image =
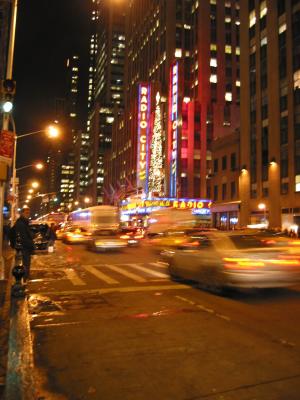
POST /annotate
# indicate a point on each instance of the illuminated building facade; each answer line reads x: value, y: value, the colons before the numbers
x: 107, y: 88
x: 270, y: 112
x: 188, y: 50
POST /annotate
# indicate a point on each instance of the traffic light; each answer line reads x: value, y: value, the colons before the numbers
x: 7, y: 89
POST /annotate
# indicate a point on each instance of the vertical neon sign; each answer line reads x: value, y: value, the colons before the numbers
x: 173, y: 129
x: 143, y: 136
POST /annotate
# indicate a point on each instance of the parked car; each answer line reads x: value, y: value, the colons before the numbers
x: 223, y: 259
x: 40, y: 239
x: 106, y: 240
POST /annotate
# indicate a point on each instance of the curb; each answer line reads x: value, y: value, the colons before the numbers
x: 4, y: 319
x: 20, y: 366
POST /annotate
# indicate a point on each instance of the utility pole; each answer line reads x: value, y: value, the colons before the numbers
x: 5, y: 125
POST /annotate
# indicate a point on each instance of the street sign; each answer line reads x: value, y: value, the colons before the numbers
x: 7, y: 145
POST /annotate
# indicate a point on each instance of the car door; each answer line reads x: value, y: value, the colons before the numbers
x: 198, y: 264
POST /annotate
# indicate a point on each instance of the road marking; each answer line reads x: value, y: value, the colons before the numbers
x: 203, y: 308
x: 73, y: 277
x: 60, y: 324
x: 148, y: 271
x: 159, y: 264
x: 128, y: 274
x: 118, y: 289
x: 94, y: 271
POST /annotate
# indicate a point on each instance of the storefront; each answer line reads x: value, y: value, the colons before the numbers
x: 137, y: 211
x: 225, y: 216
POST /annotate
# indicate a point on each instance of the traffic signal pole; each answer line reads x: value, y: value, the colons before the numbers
x: 5, y: 125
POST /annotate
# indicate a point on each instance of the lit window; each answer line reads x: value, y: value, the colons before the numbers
x: 213, y: 62
x: 282, y: 28
x: 238, y: 83
x: 297, y: 79
x: 237, y: 51
x: 297, y: 183
x: 252, y: 19
x: 228, y: 49
x: 178, y: 53
x: 228, y: 96
x: 264, y: 41
x: 263, y: 9
x: 227, y: 20
x: 213, y: 47
x: 213, y: 78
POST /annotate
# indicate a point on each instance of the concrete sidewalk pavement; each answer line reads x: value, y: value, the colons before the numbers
x: 5, y: 287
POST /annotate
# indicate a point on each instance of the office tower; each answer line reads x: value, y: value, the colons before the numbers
x: 270, y: 112
x: 107, y: 58
x: 188, y: 52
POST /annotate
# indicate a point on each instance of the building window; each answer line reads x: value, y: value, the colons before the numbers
x: 216, y: 191
x: 224, y: 163
x: 284, y: 188
x: 280, y: 7
x: 216, y: 165
x: 283, y: 130
x: 224, y: 191
x: 233, y: 161
x: 233, y: 190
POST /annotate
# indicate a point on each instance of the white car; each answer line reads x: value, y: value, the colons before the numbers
x: 224, y: 259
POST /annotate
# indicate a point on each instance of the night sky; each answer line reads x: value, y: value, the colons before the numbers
x: 48, y: 32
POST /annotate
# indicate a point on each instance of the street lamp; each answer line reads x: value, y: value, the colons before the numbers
x: 262, y: 207
x: 38, y: 166
x: 53, y: 132
x: 86, y: 200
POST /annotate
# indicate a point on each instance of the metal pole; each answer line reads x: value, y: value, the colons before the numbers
x: 5, y: 126
x: 2, y: 269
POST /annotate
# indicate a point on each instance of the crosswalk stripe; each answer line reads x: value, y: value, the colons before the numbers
x: 100, y: 275
x: 148, y: 270
x: 159, y: 264
x: 73, y: 277
x: 128, y: 274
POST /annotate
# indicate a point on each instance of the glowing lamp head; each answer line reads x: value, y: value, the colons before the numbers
x: 53, y: 131
x: 35, y: 185
x: 39, y: 166
x: 7, y: 106
x: 86, y: 200
x: 261, y: 206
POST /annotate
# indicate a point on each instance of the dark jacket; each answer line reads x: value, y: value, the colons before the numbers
x: 24, y: 234
x: 51, y: 235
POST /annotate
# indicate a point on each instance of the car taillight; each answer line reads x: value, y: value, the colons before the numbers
x: 138, y: 236
x: 234, y: 263
x: 124, y: 237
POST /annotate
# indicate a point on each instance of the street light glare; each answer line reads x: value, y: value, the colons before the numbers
x: 261, y: 206
x: 39, y: 166
x: 30, y: 191
x: 53, y: 132
x: 35, y: 185
x: 7, y: 106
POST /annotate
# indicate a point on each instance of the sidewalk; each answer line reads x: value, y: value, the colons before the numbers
x: 5, y: 286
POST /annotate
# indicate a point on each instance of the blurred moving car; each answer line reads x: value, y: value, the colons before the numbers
x: 75, y: 234
x: 104, y: 240
x: 133, y: 236
x: 40, y: 239
x: 177, y: 239
x: 226, y: 259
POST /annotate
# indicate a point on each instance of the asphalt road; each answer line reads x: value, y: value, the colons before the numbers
x: 113, y: 326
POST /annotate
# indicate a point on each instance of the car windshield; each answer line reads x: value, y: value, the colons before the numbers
x: 105, y: 232
x: 40, y: 228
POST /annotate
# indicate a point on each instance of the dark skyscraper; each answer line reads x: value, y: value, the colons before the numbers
x: 106, y: 87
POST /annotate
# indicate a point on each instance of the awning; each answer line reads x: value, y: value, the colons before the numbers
x: 225, y: 207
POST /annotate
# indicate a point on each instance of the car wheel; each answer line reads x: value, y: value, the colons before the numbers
x: 173, y: 276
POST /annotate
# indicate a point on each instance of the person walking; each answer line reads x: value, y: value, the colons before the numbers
x: 24, y: 240
x: 51, y: 236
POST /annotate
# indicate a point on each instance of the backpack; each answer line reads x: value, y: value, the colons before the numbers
x: 12, y: 236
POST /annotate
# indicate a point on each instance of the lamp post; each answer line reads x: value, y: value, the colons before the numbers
x: 262, y: 206
x: 38, y: 166
x: 53, y: 132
